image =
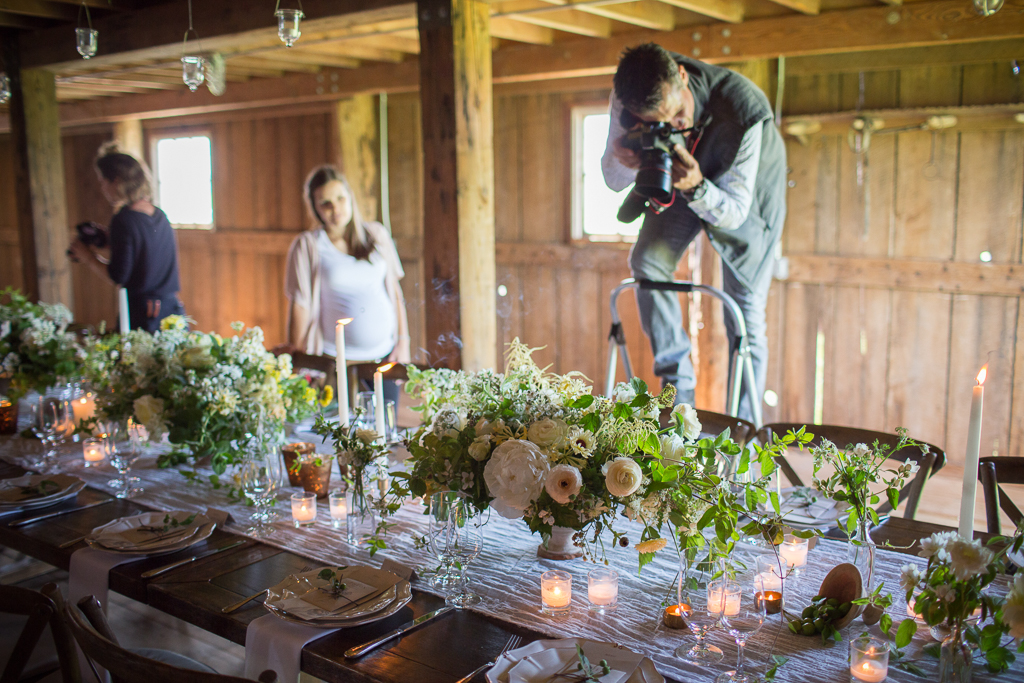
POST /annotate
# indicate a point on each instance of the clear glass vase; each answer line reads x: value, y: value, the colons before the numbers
x: 955, y: 658
x: 861, y: 553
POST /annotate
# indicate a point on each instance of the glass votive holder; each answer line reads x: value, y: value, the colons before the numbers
x: 555, y: 592
x: 338, y: 502
x: 94, y: 450
x: 794, y: 552
x: 303, y: 509
x: 603, y: 590
x: 869, y: 660
x: 724, y: 596
x: 771, y: 599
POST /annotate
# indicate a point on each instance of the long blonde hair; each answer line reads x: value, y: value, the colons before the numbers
x: 358, y: 239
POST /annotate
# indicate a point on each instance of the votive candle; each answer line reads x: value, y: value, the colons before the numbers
x: 603, y: 589
x: 675, y: 616
x: 303, y: 509
x: 724, y: 597
x: 869, y: 660
x: 94, y: 451
x: 84, y: 407
x: 772, y: 601
x: 339, y: 508
x: 555, y: 592
x: 794, y: 551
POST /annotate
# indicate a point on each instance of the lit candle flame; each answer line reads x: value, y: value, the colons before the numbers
x: 982, y: 375
x: 384, y: 368
x: 344, y: 321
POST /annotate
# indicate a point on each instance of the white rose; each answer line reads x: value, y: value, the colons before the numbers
x: 367, y: 435
x: 686, y: 416
x: 480, y: 448
x: 548, y: 433
x: 563, y: 482
x: 515, y: 476
x: 149, y: 411
x: 967, y: 558
x: 673, y: 447
x: 622, y: 476
x: 624, y: 393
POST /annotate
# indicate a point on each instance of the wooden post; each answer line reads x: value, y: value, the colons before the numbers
x: 39, y: 175
x: 458, y: 182
x: 357, y: 143
x: 128, y: 134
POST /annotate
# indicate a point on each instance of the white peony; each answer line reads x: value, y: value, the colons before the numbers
x: 480, y: 448
x: 149, y: 410
x: 548, y: 433
x: 563, y: 482
x: 622, y: 476
x: 910, y: 576
x: 686, y: 415
x: 624, y: 393
x: 673, y: 447
x: 515, y: 476
x: 967, y: 558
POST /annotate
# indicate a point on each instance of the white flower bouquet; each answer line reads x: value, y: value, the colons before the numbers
x: 36, y: 349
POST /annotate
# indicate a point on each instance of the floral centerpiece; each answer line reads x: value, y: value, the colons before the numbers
x: 951, y: 593
x: 539, y: 446
x: 204, y: 392
x: 361, y: 453
x: 36, y: 349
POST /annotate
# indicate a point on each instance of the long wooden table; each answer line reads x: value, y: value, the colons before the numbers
x: 443, y: 651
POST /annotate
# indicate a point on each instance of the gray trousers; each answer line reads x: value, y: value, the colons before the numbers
x: 659, y: 246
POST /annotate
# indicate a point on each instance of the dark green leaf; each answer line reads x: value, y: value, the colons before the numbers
x: 905, y: 633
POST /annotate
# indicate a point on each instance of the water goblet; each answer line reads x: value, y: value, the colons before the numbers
x: 465, y: 541
x: 702, y: 610
x: 124, y: 455
x: 742, y: 617
x: 439, y: 513
x: 46, y: 426
x: 259, y: 484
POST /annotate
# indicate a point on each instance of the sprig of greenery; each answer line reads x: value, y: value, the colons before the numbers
x: 40, y: 489
x: 587, y: 672
x: 335, y: 586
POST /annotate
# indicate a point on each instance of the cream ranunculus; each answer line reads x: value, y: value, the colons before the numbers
x: 686, y: 415
x: 480, y: 448
x: 548, y: 433
x: 515, y: 476
x: 149, y: 411
x: 563, y: 482
x: 622, y: 476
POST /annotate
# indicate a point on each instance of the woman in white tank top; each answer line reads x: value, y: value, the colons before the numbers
x: 346, y: 268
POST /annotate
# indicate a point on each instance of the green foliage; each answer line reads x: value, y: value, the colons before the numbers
x: 36, y: 349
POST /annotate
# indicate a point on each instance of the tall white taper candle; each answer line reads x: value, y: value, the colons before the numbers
x: 971, y: 460
x: 342, y: 370
x: 122, y: 310
x: 378, y: 401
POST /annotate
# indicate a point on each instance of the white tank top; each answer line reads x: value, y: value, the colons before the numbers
x: 355, y: 288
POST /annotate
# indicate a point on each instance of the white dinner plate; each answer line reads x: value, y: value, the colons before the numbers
x: 104, y: 537
x: 390, y: 601
x: 617, y: 657
x: 68, y: 487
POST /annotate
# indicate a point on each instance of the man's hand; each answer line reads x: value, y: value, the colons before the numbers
x: 624, y: 155
x: 686, y: 173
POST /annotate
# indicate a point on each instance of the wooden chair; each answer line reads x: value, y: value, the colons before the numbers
x: 930, y: 462
x: 41, y: 611
x: 995, y: 471
x: 100, y: 645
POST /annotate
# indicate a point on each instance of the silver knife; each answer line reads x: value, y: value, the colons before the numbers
x: 360, y: 650
x: 51, y: 515
x: 180, y: 563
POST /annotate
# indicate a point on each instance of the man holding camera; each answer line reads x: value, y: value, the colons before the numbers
x: 728, y: 178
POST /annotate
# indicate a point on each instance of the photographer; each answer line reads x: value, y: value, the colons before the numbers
x: 728, y: 178
x: 143, y: 255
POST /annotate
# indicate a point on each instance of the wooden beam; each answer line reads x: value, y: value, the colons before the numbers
x: 649, y: 14
x: 12, y: 20
x: 543, y: 14
x: 511, y: 28
x: 41, y: 8
x: 356, y: 138
x: 388, y: 41
x: 293, y: 59
x: 885, y: 60
x: 225, y: 25
x: 458, y: 182
x: 724, y: 10
x: 129, y: 137
x: 353, y: 51
x: 270, y: 66
x: 802, y: 6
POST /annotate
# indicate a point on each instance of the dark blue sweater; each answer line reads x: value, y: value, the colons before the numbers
x: 144, y: 260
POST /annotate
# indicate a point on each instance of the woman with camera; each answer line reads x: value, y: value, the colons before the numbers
x: 143, y: 252
x: 346, y: 267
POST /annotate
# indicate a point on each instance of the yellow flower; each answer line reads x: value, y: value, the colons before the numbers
x: 327, y: 396
x: 651, y: 546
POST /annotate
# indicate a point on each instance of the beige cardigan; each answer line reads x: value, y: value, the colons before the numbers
x: 302, y: 279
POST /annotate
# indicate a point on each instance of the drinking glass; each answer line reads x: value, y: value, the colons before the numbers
x: 126, y: 452
x: 365, y: 416
x: 743, y: 616
x: 439, y: 506
x: 701, y: 617
x: 455, y: 535
x: 259, y: 485
x: 46, y: 425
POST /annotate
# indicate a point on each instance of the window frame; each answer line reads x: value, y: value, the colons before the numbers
x: 577, y: 113
x: 154, y: 137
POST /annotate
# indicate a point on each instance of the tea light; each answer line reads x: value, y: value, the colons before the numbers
x: 724, y: 595
x: 869, y: 660
x: 772, y: 601
x: 675, y: 616
x: 339, y: 508
x: 555, y: 592
x: 770, y: 581
x: 94, y: 451
x: 794, y: 551
x: 303, y: 509
x: 8, y: 417
x: 84, y: 407
x: 603, y: 589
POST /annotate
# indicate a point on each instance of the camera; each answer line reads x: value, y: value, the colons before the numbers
x: 92, y: 234
x: 655, y: 143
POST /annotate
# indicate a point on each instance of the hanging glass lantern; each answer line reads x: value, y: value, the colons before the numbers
x: 5, y: 88
x: 288, y: 23
x: 193, y: 69
x: 987, y: 8
x: 88, y: 41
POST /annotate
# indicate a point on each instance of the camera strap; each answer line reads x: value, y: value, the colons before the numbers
x: 698, y: 132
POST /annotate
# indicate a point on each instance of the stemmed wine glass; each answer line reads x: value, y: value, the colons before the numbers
x: 437, y: 538
x: 743, y: 616
x: 125, y: 452
x: 704, y: 613
x: 261, y: 479
x: 459, y: 531
x: 47, y: 426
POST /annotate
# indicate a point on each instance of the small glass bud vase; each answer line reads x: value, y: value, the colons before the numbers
x: 88, y: 41
x: 193, y: 69
x: 288, y: 25
x: 955, y: 658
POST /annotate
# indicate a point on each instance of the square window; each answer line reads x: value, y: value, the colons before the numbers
x: 183, y: 167
x: 594, y: 205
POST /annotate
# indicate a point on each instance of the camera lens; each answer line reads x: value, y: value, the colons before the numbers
x: 654, y: 179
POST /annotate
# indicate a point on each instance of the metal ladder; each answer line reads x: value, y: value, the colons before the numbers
x: 740, y: 365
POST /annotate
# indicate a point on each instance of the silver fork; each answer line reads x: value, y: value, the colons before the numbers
x: 513, y: 643
x: 242, y: 603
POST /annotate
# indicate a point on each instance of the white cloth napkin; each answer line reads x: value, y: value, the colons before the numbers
x: 90, y: 572
x: 272, y: 643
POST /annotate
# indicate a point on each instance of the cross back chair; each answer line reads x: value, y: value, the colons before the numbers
x: 99, y: 644
x: 41, y: 612
x: 930, y: 462
x: 995, y: 471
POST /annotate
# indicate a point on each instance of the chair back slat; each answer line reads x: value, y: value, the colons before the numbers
x: 40, y: 610
x: 992, y: 472
x: 67, y: 654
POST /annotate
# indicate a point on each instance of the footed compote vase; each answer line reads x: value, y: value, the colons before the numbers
x: 559, y: 545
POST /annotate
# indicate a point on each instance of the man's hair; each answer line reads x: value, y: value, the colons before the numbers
x: 642, y: 72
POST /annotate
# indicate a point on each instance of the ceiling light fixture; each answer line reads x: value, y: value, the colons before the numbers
x: 87, y: 38
x: 987, y: 8
x: 193, y: 66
